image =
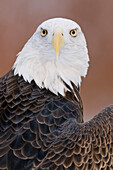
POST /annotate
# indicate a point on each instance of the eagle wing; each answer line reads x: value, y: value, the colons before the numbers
x: 29, y: 121
x: 84, y: 146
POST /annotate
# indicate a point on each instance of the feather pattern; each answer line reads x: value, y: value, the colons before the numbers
x: 84, y: 146
x: 29, y: 120
x: 39, y: 130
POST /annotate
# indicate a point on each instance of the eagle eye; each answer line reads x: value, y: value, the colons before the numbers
x: 43, y: 32
x: 73, y: 32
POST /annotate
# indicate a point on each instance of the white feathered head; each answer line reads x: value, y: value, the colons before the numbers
x: 56, y: 52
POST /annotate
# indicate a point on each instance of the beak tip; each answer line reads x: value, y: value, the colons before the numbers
x: 57, y: 54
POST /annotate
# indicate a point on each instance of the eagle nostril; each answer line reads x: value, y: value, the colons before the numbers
x: 62, y: 34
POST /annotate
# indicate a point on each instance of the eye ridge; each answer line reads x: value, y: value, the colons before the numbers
x: 73, y: 32
x: 43, y: 32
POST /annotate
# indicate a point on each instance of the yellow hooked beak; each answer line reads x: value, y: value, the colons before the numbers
x: 58, y: 41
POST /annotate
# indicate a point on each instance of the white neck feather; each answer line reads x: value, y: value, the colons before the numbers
x: 49, y: 74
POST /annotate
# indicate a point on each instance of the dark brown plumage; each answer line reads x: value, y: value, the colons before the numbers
x: 29, y: 121
x: 39, y: 130
x: 84, y: 146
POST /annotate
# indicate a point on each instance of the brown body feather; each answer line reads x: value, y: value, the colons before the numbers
x: 83, y: 146
x: 29, y: 121
x: 39, y: 130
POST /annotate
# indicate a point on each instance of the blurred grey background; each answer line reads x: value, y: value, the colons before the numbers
x: 20, y: 18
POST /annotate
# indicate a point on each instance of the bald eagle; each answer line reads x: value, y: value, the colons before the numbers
x: 41, y: 112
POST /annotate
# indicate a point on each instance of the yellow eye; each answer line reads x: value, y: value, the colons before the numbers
x: 73, y: 33
x: 43, y: 32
